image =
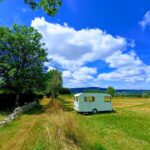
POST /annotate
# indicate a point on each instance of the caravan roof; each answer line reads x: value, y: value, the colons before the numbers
x: 96, y: 94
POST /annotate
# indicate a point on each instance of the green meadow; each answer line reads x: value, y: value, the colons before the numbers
x: 60, y: 127
x: 2, y: 117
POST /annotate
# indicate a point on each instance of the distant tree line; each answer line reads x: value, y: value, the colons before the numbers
x: 111, y: 90
x: 92, y: 91
x: 140, y: 95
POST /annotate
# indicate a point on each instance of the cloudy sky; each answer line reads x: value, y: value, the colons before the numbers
x: 94, y: 43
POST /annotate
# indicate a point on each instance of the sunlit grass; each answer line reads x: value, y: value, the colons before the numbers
x: 60, y: 127
x: 2, y: 116
x: 44, y: 128
x: 44, y: 101
x: 128, y: 128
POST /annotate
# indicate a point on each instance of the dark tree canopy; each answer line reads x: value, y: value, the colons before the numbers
x: 21, y: 59
x: 49, y: 6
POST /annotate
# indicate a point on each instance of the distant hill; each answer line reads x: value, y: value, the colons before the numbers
x: 80, y: 90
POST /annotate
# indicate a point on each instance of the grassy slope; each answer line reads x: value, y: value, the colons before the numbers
x: 128, y: 128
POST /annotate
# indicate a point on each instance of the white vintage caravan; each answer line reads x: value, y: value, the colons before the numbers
x: 92, y: 102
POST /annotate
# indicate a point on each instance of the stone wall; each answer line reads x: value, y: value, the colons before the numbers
x: 18, y: 111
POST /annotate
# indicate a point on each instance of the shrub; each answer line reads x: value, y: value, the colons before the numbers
x: 7, y: 101
x: 111, y: 90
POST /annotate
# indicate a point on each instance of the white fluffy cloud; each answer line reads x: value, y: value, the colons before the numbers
x: 73, y: 49
x: 119, y: 60
x: 128, y: 68
x: 146, y: 20
x: 80, y: 76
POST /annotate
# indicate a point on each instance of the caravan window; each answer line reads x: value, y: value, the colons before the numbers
x: 89, y: 98
x: 107, y: 99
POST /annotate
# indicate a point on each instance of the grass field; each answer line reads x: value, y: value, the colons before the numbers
x: 2, y: 116
x: 127, y: 129
x: 44, y: 128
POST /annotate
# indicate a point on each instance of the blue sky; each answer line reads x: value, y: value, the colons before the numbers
x: 94, y: 43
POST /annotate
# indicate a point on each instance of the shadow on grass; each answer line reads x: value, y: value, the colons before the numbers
x: 35, y: 110
x: 98, y: 113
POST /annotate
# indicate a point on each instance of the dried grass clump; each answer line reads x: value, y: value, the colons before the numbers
x: 64, y: 131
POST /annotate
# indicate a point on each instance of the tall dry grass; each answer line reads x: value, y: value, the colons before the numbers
x: 64, y: 132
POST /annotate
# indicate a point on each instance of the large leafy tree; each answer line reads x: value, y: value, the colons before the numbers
x: 53, y: 82
x: 21, y: 59
x: 111, y: 90
x: 49, y: 6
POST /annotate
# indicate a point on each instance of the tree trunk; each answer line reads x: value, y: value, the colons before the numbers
x: 52, y: 98
x: 52, y: 95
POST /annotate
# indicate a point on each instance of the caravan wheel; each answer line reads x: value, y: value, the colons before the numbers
x: 94, y: 111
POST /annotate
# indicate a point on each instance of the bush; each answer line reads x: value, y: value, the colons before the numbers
x: 7, y: 101
x: 111, y: 90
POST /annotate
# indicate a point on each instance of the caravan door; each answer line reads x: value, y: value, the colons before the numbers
x: 107, y: 106
x: 89, y: 103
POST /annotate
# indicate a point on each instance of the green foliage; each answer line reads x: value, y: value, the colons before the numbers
x: 21, y: 59
x: 53, y: 81
x: 111, y: 90
x: 2, y: 82
x: 49, y: 6
x: 92, y: 91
